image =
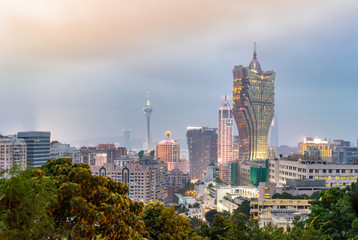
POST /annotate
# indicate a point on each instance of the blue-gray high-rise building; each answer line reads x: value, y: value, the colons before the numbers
x: 37, y: 147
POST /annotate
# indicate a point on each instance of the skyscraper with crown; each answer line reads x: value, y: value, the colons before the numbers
x: 254, y: 102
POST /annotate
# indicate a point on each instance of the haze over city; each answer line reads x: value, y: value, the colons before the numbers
x: 82, y: 69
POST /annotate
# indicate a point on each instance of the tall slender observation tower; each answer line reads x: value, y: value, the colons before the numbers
x: 253, y: 100
x: 225, y: 133
x: 148, y: 111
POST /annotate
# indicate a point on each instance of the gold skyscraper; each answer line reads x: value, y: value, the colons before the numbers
x: 253, y: 101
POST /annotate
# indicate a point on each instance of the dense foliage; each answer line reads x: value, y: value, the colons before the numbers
x: 333, y: 213
x: 286, y: 195
x: 62, y: 200
x: 25, y: 201
x: 164, y: 223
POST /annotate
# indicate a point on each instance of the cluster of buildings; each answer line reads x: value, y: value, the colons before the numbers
x: 227, y: 169
x: 248, y: 168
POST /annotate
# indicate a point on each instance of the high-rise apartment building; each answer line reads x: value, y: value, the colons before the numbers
x: 253, y: 100
x: 202, y: 145
x: 147, y: 179
x: 225, y: 133
x: 168, y: 150
x: 12, y: 151
x: 127, y: 141
x: 37, y: 147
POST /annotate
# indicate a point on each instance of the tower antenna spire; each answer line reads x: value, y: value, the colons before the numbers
x: 148, y: 112
x: 255, y: 55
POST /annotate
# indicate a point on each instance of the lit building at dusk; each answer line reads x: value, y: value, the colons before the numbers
x: 253, y: 108
x: 202, y: 146
x: 225, y: 133
x: 168, y: 150
x: 322, y: 145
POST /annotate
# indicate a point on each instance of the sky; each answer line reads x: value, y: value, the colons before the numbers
x: 81, y: 69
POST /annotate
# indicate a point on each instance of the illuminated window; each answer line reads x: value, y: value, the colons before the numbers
x: 324, y: 178
x: 337, y: 177
x: 316, y: 177
x: 343, y: 178
x: 350, y: 178
x: 330, y: 178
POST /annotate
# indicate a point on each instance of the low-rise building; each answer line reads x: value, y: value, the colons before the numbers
x: 257, y: 207
x: 280, y: 218
x: 194, y: 208
x: 335, y: 174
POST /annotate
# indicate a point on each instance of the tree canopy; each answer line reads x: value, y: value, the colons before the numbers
x: 62, y: 200
x: 164, y: 223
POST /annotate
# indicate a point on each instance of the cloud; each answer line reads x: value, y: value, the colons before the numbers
x: 81, y: 68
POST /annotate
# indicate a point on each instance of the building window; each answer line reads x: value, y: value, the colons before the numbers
x: 330, y: 170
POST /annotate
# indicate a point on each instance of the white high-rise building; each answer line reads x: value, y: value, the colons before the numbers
x: 225, y: 133
x: 12, y: 151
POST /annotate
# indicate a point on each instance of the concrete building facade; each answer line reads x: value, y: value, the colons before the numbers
x: 202, y: 145
x: 12, y: 151
x: 168, y: 150
x: 147, y: 179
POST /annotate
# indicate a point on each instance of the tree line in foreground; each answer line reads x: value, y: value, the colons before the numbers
x: 62, y: 200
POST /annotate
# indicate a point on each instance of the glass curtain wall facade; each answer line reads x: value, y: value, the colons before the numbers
x: 253, y: 101
x: 225, y: 133
x: 37, y: 147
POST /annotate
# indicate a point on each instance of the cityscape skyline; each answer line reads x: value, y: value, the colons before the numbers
x: 78, y: 91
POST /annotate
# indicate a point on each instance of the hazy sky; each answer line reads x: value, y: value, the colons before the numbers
x: 81, y: 69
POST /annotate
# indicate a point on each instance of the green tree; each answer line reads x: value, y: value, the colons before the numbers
x: 25, y: 200
x: 164, y: 223
x: 333, y: 213
x: 88, y: 205
x: 218, y: 228
x: 244, y: 208
x: 195, y: 222
x: 315, y: 195
x: 209, y: 216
